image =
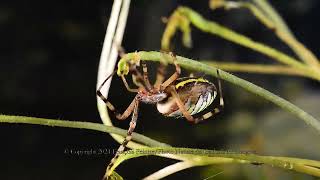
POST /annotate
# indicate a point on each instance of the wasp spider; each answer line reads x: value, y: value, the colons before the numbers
x: 174, y: 97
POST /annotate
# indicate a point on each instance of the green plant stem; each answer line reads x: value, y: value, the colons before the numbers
x: 200, y: 67
x: 285, y: 34
x: 201, y: 157
x: 171, y: 169
x: 278, y: 26
x: 197, y: 157
x: 108, y: 58
x: 142, y: 140
x: 273, y: 15
x: 228, y: 5
x: 80, y: 125
x: 181, y: 17
x: 255, y: 68
x: 214, y: 28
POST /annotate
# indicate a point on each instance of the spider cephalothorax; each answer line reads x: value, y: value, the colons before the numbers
x: 174, y: 97
x: 151, y: 97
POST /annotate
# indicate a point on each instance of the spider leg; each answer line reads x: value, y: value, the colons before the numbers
x: 119, y: 116
x: 174, y: 76
x: 137, y: 77
x: 102, y: 84
x: 220, y: 89
x: 145, y: 76
x: 133, y: 69
x: 99, y: 94
x: 127, y: 85
x: 127, y: 138
x: 180, y: 104
x: 160, y: 76
x: 216, y: 110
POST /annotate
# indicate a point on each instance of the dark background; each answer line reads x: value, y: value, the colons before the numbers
x: 49, y: 58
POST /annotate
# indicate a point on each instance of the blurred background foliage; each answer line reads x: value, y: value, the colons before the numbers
x: 49, y: 57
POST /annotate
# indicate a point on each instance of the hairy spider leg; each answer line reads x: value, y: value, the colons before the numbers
x: 174, y: 76
x: 160, y: 75
x: 132, y: 109
x: 128, y: 137
x: 145, y: 76
x: 180, y: 104
x: 127, y: 85
x: 137, y: 77
x: 161, y: 71
x: 220, y: 89
x: 118, y: 115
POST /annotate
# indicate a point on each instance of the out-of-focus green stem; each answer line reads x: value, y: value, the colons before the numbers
x: 284, y: 33
x: 241, y: 4
x: 256, y: 68
x: 181, y: 17
x: 201, y: 157
x: 273, y: 15
x: 80, y: 125
x: 176, y: 22
x: 214, y: 28
x: 171, y: 169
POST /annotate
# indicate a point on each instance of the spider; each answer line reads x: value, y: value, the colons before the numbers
x: 174, y: 97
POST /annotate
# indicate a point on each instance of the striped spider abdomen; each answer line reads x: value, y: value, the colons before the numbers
x: 195, y: 93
